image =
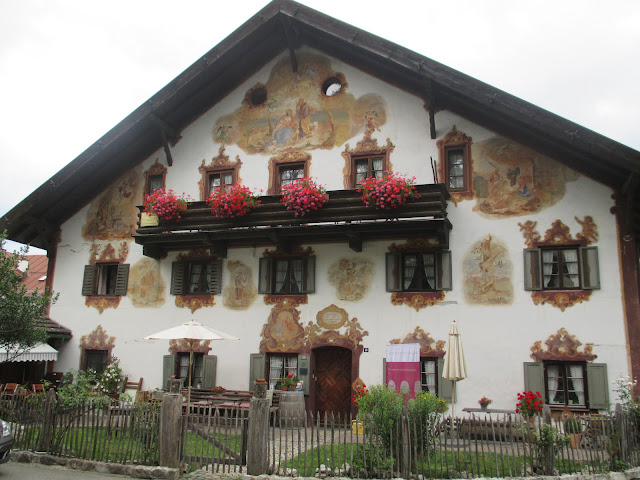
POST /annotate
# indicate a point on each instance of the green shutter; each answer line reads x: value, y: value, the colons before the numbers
x: 598, y: 386
x: 264, y: 278
x: 532, y: 269
x: 168, y: 369
x: 215, y: 280
x: 393, y: 272
x: 589, y: 268
x: 257, y: 367
x: 177, y: 278
x: 445, y: 387
x: 122, y: 280
x: 310, y: 275
x: 304, y: 362
x: 209, y: 366
x: 89, y: 279
x: 444, y: 278
x: 534, y: 377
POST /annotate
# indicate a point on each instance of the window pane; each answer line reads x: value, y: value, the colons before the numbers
x: 410, y: 277
x: 155, y: 183
x: 107, y: 276
x: 96, y: 360
x: 455, y: 168
x: 282, y: 269
x: 550, y: 277
x: 279, y: 367
x: 376, y: 164
x: 214, y: 182
x: 428, y: 375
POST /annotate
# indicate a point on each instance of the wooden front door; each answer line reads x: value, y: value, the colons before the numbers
x: 333, y: 380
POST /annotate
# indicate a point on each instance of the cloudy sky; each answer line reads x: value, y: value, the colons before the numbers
x: 71, y: 70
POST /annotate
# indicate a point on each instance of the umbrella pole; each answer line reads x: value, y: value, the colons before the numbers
x: 453, y: 401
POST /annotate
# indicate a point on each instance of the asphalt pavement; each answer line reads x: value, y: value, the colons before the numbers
x: 34, y: 471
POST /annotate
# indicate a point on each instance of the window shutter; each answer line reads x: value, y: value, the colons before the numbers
x: 264, y: 282
x: 209, y: 366
x: 532, y: 269
x: 384, y: 372
x: 443, y: 279
x: 168, y: 369
x: 394, y: 269
x: 445, y: 387
x: 534, y: 377
x: 303, y: 366
x: 215, y: 280
x: 257, y: 367
x: 310, y: 275
x: 122, y: 279
x: 89, y: 279
x: 177, y: 278
x: 598, y: 386
x: 589, y: 268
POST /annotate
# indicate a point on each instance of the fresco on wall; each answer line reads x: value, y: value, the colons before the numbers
x: 291, y: 111
x: 241, y: 291
x: 113, y: 215
x: 146, y: 286
x: 351, y: 278
x: 511, y: 180
x: 562, y: 347
x: 487, y: 273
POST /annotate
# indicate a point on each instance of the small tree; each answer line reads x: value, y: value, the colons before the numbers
x: 19, y: 309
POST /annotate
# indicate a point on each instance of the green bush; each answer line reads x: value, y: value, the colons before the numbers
x: 380, y: 410
x: 425, y: 413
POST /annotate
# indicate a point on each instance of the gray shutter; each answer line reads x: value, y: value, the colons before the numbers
x: 598, y: 386
x: 264, y: 278
x: 209, y: 366
x: 443, y: 278
x: 122, y: 280
x: 393, y: 272
x: 168, y: 369
x: 89, y: 279
x: 445, y: 389
x: 310, y: 275
x: 532, y: 269
x: 304, y: 365
x: 177, y: 278
x: 534, y: 377
x: 257, y: 366
x: 215, y: 280
x: 589, y: 268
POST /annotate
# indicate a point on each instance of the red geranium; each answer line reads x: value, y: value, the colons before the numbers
x: 529, y: 403
x: 363, y: 391
x: 389, y: 191
x: 303, y: 195
x: 166, y: 204
x: 233, y: 201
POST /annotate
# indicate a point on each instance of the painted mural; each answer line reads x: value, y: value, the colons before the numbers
x: 351, y: 278
x: 487, y: 273
x: 146, y: 286
x: 113, y: 215
x: 292, y: 111
x: 512, y: 180
x: 241, y: 291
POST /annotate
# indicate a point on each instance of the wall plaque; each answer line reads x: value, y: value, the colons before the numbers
x: 332, y: 317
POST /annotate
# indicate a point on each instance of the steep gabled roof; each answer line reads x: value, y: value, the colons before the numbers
x: 284, y: 25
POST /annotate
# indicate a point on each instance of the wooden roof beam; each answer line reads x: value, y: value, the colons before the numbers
x: 168, y: 134
x: 291, y: 38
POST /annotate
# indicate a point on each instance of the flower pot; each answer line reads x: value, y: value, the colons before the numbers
x: 149, y: 220
x: 284, y: 389
x: 484, y: 407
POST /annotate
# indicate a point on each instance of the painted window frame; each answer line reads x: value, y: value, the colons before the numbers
x: 209, y: 188
x: 301, y: 167
x: 94, y: 278
x: 588, y: 268
x: 371, y: 171
x: 395, y: 268
x: 268, y: 275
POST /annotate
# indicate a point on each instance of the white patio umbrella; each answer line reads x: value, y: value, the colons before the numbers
x: 455, y: 368
x: 192, y: 332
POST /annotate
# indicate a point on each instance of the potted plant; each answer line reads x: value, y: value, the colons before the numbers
x: 573, y: 427
x: 166, y: 205
x: 484, y: 402
x: 303, y: 196
x: 529, y: 404
x: 232, y: 202
x: 389, y: 191
x: 289, y: 382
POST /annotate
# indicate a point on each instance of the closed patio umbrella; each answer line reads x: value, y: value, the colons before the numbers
x: 192, y: 332
x: 455, y: 368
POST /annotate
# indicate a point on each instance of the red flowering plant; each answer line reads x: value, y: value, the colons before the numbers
x: 290, y: 381
x: 529, y: 403
x: 166, y: 204
x: 389, y: 191
x: 360, y: 393
x: 234, y: 201
x: 303, y: 196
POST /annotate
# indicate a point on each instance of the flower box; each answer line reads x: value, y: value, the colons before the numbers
x: 389, y: 191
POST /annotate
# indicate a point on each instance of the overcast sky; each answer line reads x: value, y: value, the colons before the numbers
x: 71, y: 70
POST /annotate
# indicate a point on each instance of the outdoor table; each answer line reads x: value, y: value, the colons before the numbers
x: 489, y: 410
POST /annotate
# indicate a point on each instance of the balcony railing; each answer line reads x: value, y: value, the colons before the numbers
x: 343, y: 219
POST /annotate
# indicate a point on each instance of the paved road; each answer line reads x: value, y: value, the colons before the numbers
x: 34, y: 471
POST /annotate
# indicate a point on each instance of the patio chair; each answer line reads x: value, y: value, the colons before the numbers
x: 37, y: 388
x: 10, y: 388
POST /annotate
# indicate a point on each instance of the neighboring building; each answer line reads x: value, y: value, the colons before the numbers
x: 529, y: 240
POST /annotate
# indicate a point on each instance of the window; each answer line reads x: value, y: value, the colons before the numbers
x: 455, y: 169
x: 428, y: 375
x: 367, y: 167
x: 219, y: 179
x: 294, y: 275
x: 96, y: 360
x: 287, y: 174
x: 106, y: 279
x: 455, y: 165
x: 279, y: 367
x: 418, y: 271
x: 154, y: 182
x: 565, y: 384
x: 182, y: 368
x: 203, y: 369
x: 202, y: 277
x: 561, y: 268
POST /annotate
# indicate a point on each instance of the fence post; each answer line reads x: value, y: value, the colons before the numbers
x: 547, y: 450
x: 258, y: 441
x: 621, y: 433
x: 406, y: 445
x: 170, y: 431
x: 47, y: 424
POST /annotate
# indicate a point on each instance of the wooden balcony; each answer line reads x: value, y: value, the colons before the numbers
x: 343, y: 219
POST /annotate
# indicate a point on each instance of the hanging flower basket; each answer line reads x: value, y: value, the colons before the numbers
x: 389, y: 191
x: 303, y: 196
x: 167, y: 205
x: 232, y: 202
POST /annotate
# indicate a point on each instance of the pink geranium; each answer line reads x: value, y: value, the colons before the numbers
x: 303, y: 196
x: 389, y: 191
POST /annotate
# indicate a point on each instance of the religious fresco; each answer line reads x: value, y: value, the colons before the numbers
x: 283, y: 331
x: 562, y: 347
x: 291, y: 111
x: 487, y: 273
x: 146, y: 286
x: 351, y: 278
x: 512, y: 180
x: 114, y: 214
x: 241, y: 291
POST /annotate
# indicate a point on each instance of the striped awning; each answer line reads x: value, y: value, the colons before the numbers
x: 42, y: 352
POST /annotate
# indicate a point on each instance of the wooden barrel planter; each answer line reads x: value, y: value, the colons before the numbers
x: 291, y: 409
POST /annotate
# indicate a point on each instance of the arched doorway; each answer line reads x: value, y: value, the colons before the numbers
x: 332, y: 374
